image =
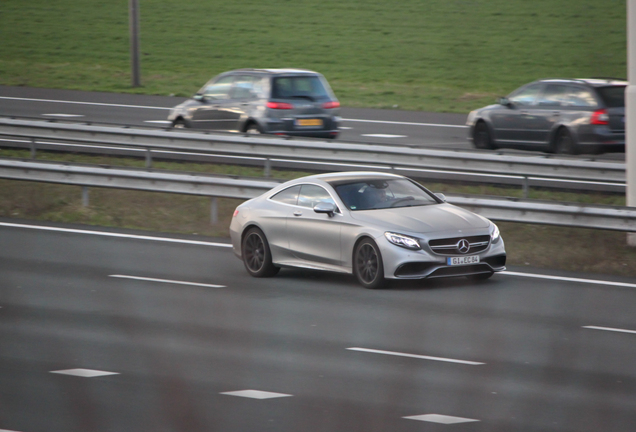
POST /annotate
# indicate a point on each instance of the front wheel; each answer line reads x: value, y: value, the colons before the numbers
x: 179, y: 124
x: 481, y: 136
x: 253, y: 129
x: 367, y: 265
x: 257, y: 256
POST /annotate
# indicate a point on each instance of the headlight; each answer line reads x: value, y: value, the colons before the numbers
x: 402, y: 240
x: 495, y: 235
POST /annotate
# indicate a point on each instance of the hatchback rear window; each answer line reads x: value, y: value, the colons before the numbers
x: 613, y: 96
x: 299, y: 87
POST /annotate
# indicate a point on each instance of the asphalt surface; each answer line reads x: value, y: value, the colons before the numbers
x: 177, y: 327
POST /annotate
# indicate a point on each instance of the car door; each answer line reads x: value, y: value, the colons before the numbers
x: 212, y: 97
x: 315, y: 237
x: 553, y: 108
x: 234, y: 110
x: 513, y: 123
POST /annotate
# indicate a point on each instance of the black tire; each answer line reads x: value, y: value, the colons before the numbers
x: 179, y: 124
x: 253, y: 129
x: 564, y: 143
x: 368, y: 266
x: 481, y: 136
x: 480, y: 276
x: 256, y: 254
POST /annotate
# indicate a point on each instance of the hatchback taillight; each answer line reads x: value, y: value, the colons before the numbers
x: 600, y: 117
x: 331, y: 105
x: 279, y: 105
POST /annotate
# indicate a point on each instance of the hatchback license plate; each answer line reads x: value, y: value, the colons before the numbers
x: 308, y: 122
x: 462, y: 260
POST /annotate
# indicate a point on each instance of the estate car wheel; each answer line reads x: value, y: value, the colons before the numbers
x: 179, y: 124
x: 257, y: 256
x: 565, y: 143
x: 252, y: 129
x: 481, y: 136
x: 367, y: 265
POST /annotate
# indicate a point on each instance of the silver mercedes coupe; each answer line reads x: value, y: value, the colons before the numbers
x: 376, y: 226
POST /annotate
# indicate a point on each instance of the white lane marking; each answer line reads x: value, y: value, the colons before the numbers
x: 119, y: 235
x: 85, y: 373
x: 158, y: 121
x: 83, y: 103
x: 610, y: 329
x: 166, y: 281
x: 344, y: 128
x: 570, y: 279
x: 399, y: 354
x: 406, y: 123
x: 63, y: 115
x: 383, y: 136
x: 166, y: 108
x: 439, y: 418
x: 7, y: 430
x: 256, y: 394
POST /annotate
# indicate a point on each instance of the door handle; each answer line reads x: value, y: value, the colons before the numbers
x: 298, y: 213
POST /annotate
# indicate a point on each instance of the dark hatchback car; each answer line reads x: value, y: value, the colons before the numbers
x: 568, y: 116
x: 293, y: 102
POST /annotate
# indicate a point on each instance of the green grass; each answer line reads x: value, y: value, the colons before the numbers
x: 438, y: 55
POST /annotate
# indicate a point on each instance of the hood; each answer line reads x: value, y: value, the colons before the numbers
x: 422, y: 219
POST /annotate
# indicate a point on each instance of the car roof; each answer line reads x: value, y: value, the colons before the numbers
x: 594, y: 82
x: 277, y: 71
x: 352, y: 176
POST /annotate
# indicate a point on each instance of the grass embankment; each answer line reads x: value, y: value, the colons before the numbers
x: 434, y: 55
x: 563, y: 248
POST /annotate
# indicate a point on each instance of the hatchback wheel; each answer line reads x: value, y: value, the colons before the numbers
x: 368, y: 266
x: 481, y: 136
x: 257, y: 256
x: 179, y: 124
x: 252, y: 129
x: 565, y: 143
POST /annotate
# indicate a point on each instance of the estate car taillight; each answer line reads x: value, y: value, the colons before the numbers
x: 600, y: 117
x: 279, y: 105
x: 331, y: 105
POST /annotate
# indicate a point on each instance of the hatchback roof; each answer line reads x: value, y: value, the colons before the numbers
x: 595, y: 82
x: 277, y: 71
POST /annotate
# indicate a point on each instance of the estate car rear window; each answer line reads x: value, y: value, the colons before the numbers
x: 613, y: 96
x: 299, y: 87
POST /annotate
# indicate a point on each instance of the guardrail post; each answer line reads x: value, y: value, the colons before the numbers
x: 85, y: 196
x: 268, y: 167
x: 525, y: 186
x: 33, y: 150
x: 214, y: 211
x: 148, y: 158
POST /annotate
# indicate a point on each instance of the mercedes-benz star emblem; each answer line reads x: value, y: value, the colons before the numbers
x: 463, y: 246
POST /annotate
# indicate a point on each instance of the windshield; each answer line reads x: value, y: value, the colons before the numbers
x: 382, y: 194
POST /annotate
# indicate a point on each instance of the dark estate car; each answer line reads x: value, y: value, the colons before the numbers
x: 273, y: 101
x: 555, y: 115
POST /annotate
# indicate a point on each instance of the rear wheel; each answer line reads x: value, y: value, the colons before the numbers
x: 564, y: 143
x: 481, y: 136
x: 252, y: 129
x: 257, y: 256
x: 368, y: 266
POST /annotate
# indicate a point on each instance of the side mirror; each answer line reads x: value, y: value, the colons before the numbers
x: 441, y: 197
x: 199, y: 97
x: 325, y: 207
x: 505, y: 102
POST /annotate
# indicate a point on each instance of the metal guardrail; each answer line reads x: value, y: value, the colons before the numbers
x: 328, y: 156
x: 500, y: 209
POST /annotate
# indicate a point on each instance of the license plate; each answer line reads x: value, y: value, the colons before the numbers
x: 308, y: 122
x: 462, y: 260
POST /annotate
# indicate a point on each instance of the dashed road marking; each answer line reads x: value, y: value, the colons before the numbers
x: 147, y: 279
x: 417, y: 356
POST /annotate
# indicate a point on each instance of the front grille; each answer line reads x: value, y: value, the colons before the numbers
x: 451, y: 246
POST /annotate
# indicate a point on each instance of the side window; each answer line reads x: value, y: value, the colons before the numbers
x: 287, y: 196
x: 526, y: 95
x: 243, y: 87
x: 554, y: 95
x: 310, y: 195
x: 219, y: 89
x: 579, y: 97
